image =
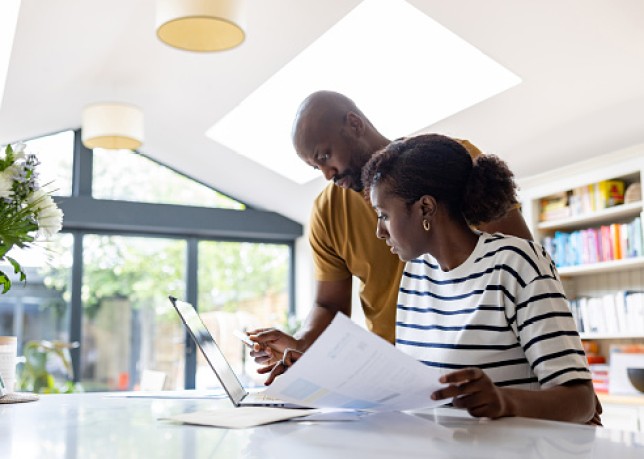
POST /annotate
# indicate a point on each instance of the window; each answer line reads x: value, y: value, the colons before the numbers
x: 107, y: 286
x: 128, y: 326
x: 128, y: 176
x: 241, y: 286
x: 40, y: 308
x: 56, y: 154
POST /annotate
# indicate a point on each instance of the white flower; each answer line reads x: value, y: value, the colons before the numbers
x: 39, y: 199
x: 25, y: 208
x: 50, y: 221
x: 13, y: 171
x: 6, y: 183
x: 48, y: 215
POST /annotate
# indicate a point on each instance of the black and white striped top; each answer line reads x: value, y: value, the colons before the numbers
x: 503, y: 310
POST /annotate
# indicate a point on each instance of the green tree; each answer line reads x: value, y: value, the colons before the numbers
x: 231, y: 272
x: 122, y: 174
x: 142, y: 269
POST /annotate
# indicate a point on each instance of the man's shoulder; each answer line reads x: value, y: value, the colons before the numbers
x: 333, y: 195
x: 472, y: 149
x: 328, y: 206
x: 327, y: 193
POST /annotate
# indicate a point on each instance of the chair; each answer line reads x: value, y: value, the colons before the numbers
x: 152, y: 380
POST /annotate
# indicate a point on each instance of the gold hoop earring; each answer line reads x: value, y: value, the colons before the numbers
x: 426, y: 225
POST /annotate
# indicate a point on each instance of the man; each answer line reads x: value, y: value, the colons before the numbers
x: 331, y: 134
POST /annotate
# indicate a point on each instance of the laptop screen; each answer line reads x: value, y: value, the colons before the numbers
x: 210, y: 350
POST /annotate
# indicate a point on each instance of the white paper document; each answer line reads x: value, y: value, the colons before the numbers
x: 239, y: 418
x: 350, y: 367
x: 190, y: 394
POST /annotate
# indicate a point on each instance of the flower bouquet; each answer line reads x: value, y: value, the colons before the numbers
x: 27, y: 211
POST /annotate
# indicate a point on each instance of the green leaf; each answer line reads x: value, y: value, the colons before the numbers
x: 17, y: 269
x: 15, y: 264
x: 8, y: 160
x: 5, y: 282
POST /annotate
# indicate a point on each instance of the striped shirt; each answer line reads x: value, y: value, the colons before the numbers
x: 503, y: 310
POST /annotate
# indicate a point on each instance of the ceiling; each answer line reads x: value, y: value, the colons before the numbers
x: 581, y: 63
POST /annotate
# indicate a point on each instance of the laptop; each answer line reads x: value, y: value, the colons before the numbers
x: 237, y: 394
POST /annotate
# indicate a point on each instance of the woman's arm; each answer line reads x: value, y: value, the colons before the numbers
x: 473, y: 390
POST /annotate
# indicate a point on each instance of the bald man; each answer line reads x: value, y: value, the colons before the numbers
x: 332, y: 135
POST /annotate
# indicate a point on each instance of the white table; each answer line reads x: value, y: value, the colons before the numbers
x: 96, y: 426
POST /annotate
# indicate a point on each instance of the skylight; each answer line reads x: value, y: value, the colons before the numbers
x: 8, y: 19
x: 403, y: 69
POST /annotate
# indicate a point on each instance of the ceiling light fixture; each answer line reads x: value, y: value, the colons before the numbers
x: 112, y: 126
x: 200, y: 25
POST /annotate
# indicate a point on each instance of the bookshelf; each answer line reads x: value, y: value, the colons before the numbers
x: 585, y: 277
x: 602, y: 267
x: 620, y: 212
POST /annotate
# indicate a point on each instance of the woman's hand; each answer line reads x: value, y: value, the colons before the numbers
x: 289, y: 357
x: 473, y: 390
x: 597, y: 419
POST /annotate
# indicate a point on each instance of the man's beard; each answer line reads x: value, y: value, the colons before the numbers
x: 355, y: 177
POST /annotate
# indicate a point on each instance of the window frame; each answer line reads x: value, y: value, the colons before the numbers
x: 84, y: 215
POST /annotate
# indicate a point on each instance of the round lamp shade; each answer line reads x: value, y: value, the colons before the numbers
x: 200, y: 25
x: 112, y: 126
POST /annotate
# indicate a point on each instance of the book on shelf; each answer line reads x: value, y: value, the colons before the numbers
x: 609, y: 193
x: 615, y: 241
x: 593, y: 245
x: 623, y: 240
x: 554, y: 207
x: 618, y: 313
x: 634, y: 240
x: 600, y: 374
x: 555, y: 214
x: 605, y: 243
x: 609, y: 242
x: 609, y: 309
x: 582, y: 200
x: 634, y: 311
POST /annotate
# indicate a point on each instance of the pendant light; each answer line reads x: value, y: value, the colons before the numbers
x: 200, y: 25
x: 112, y: 126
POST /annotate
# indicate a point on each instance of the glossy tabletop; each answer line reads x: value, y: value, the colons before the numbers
x: 97, y: 426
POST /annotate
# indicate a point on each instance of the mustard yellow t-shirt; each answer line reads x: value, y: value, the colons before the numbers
x: 344, y: 243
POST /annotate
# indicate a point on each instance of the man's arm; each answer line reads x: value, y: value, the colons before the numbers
x: 512, y: 224
x: 331, y: 297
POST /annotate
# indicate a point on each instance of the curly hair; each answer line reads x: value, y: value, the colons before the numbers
x: 480, y: 190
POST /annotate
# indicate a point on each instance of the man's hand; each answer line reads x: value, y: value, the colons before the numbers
x: 289, y: 357
x: 473, y: 390
x: 270, y: 344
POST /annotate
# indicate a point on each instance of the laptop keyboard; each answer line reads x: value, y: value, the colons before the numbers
x: 260, y: 397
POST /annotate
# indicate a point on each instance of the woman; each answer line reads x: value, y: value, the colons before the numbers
x: 489, y: 309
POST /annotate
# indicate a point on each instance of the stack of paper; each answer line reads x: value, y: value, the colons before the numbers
x: 350, y: 367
